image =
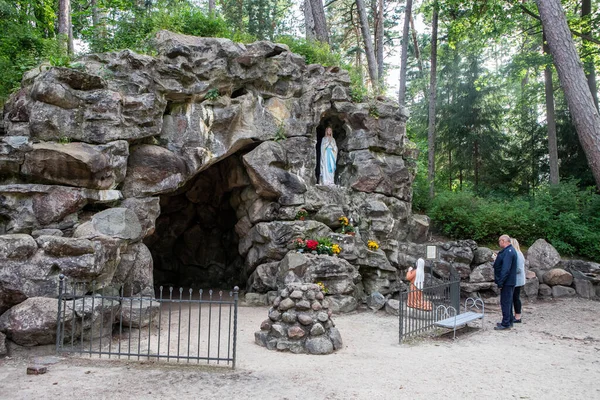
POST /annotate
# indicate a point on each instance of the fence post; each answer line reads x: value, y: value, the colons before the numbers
x: 401, y: 315
x: 236, y: 291
x: 455, y: 289
x: 61, y: 279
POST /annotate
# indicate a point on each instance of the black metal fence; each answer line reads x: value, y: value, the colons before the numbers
x: 418, y: 307
x: 198, y: 325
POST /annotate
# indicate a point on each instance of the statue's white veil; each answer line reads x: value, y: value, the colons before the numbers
x: 420, y: 274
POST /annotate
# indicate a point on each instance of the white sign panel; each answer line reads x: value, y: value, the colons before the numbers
x: 431, y: 252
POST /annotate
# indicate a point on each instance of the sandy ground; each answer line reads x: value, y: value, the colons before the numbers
x: 553, y: 354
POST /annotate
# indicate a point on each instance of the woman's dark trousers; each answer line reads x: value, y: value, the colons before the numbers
x: 517, y: 299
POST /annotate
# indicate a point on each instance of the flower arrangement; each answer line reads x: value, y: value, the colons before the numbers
x: 336, y: 249
x: 347, y: 227
x: 301, y: 214
x: 320, y: 246
x: 299, y: 244
x: 312, y: 245
x: 322, y: 287
x: 372, y: 245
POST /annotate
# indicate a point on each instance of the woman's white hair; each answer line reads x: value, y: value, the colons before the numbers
x: 420, y: 278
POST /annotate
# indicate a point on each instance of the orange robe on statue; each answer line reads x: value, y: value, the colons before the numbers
x: 415, y: 295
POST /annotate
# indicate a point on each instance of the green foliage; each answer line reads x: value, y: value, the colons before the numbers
x: 565, y: 215
x: 212, y: 94
x: 314, y: 52
x: 59, y: 60
x: 27, y: 28
x: 280, y: 134
x: 373, y: 111
x: 135, y: 27
x: 358, y: 90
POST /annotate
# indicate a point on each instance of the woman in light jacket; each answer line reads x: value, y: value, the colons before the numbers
x: 520, y: 281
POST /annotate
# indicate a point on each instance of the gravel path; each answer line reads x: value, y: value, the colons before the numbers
x: 553, y: 354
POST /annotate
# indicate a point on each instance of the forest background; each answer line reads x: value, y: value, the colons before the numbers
x: 498, y: 149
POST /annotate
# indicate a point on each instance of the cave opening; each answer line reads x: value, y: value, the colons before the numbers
x: 339, y: 134
x: 195, y: 243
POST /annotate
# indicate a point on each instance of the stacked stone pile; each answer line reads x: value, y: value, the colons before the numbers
x: 299, y: 321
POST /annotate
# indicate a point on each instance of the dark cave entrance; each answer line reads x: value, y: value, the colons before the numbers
x: 339, y: 134
x: 195, y: 243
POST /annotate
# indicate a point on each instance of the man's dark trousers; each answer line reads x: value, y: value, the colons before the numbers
x: 506, y: 302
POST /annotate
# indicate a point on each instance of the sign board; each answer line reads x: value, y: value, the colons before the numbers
x: 431, y: 252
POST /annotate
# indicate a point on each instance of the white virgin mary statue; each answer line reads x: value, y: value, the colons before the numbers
x: 329, y: 153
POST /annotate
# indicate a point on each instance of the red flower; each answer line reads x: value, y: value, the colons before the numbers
x: 312, y: 244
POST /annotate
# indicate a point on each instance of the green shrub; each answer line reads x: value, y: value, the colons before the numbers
x: 314, y: 52
x: 566, y: 216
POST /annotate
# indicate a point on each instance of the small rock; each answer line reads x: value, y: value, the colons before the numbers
x: 286, y: 304
x: 289, y: 317
x: 303, y: 305
x: 317, y: 330
x: 296, y: 332
x: 305, y: 319
x: 36, y: 370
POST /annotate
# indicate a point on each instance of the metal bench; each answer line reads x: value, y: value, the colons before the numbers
x: 447, y: 317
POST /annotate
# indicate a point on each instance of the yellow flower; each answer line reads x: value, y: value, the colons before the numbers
x: 336, y: 249
x: 343, y: 220
x: 372, y: 245
x: 322, y: 287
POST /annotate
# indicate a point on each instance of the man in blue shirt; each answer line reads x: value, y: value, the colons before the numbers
x: 505, y: 276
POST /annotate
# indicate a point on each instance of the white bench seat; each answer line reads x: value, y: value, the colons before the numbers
x: 449, y: 319
x: 459, y: 320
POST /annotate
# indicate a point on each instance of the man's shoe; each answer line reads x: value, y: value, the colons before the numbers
x: 501, y: 328
x: 515, y: 321
x: 500, y: 324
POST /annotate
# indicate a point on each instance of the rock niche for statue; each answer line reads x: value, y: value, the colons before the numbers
x: 300, y: 322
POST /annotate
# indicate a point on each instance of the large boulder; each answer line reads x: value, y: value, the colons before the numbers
x: 134, y: 272
x: 32, y: 322
x: 541, y: 255
x: 482, y: 273
x: 26, y: 207
x: 78, y: 164
x: 557, y: 276
x: 119, y: 223
x: 153, y: 170
x: 29, y: 270
x: 338, y: 275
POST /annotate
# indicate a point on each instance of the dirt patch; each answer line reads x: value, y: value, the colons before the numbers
x: 553, y: 354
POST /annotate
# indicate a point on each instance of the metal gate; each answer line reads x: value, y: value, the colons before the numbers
x: 176, y: 326
x: 415, y: 321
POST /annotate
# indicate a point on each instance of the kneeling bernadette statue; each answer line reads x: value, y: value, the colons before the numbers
x: 329, y: 152
x: 415, y: 294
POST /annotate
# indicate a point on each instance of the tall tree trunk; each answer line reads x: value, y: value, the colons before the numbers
x: 309, y: 21
x: 577, y: 92
x: 550, y: 120
x: 476, y: 159
x: 414, y: 38
x: 364, y: 27
x: 211, y: 7
x: 404, y: 56
x: 318, y: 12
x: 379, y: 34
x: 588, y: 64
x: 432, y: 99
x: 95, y: 13
x: 64, y: 25
x: 450, y: 168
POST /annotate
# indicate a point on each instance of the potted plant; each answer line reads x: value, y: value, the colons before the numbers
x: 372, y: 245
x: 299, y: 245
x: 301, y: 214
